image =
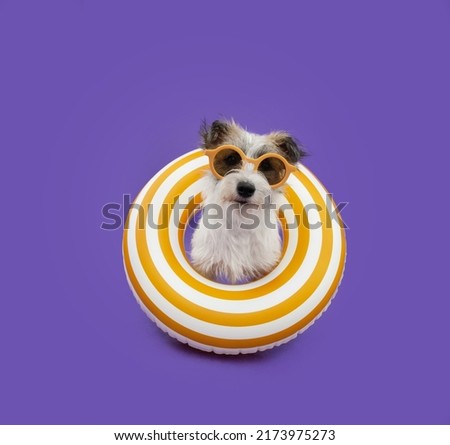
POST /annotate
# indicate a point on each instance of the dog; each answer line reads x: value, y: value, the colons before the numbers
x: 237, y: 239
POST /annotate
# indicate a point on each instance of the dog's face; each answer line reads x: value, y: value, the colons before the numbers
x: 246, y: 185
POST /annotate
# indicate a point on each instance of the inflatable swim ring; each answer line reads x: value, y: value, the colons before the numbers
x: 219, y: 317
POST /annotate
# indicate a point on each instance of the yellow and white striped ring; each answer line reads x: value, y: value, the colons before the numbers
x: 225, y: 318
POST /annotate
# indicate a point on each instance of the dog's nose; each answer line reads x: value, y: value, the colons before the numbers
x: 245, y: 189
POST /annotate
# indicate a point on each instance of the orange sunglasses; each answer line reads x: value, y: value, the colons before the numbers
x: 228, y: 158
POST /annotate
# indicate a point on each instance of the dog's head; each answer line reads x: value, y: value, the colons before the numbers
x: 246, y: 185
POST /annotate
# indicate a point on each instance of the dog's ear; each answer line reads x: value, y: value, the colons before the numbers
x: 215, y: 134
x: 289, y: 147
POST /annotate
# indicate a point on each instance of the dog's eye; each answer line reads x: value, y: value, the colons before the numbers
x: 232, y: 159
x: 225, y: 161
x: 266, y: 165
x: 273, y: 169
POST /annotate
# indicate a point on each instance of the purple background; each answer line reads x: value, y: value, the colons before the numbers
x: 95, y: 97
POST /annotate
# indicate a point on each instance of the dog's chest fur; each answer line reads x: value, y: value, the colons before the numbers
x: 234, y: 253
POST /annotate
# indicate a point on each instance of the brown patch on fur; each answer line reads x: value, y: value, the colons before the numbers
x: 288, y: 146
x: 215, y: 134
x: 221, y: 132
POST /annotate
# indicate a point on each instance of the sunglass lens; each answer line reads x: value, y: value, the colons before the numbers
x: 273, y: 169
x: 227, y: 160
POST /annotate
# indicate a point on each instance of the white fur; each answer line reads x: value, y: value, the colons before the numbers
x: 232, y: 251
